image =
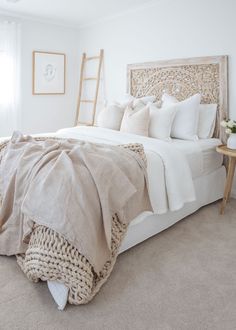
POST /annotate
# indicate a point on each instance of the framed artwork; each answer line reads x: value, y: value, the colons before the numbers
x: 49, y: 71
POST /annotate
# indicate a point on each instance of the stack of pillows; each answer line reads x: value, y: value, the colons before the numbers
x: 187, y: 120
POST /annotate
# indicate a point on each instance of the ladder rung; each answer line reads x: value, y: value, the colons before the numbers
x: 87, y: 101
x: 92, y: 58
x: 90, y: 78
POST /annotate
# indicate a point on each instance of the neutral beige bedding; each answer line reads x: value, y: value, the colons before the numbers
x: 73, y: 188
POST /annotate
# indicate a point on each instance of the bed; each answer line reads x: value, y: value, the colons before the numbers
x: 181, y: 78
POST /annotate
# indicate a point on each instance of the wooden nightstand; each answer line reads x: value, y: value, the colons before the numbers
x: 231, y: 154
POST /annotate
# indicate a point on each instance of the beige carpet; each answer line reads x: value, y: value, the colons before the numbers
x: 183, y: 278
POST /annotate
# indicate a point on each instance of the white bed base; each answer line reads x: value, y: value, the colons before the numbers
x: 208, y: 189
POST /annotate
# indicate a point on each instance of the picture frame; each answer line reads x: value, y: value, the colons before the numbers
x: 49, y: 73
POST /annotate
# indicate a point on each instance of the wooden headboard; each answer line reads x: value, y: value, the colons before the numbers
x: 183, y: 78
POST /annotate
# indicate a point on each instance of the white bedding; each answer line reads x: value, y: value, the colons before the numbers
x: 168, y: 190
x: 173, y: 170
x: 166, y: 187
x: 209, y: 161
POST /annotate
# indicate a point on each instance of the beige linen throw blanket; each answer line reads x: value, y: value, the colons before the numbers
x: 79, y: 195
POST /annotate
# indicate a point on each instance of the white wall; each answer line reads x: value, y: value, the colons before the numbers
x: 40, y: 113
x: 167, y: 29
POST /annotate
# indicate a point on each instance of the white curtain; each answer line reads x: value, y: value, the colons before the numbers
x: 9, y: 77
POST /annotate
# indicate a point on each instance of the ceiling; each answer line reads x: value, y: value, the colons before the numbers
x: 74, y: 13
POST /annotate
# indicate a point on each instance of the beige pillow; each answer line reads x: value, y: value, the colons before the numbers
x: 136, y: 121
x: 111, y: 117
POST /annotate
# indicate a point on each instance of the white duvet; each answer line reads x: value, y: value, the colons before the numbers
x: 170, y: 177
x: 172, y: 166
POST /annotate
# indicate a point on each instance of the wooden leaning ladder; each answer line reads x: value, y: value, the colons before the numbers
x: 85, y: 59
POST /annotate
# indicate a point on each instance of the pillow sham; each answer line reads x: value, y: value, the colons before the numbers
x: 145, y: 99
x: 185, y: 124
x: 207, y: 116
x: 161, y: 120
x: 136, y: 121
x: 138, y: 105
x: 131, y: 100
x: 168, y: 99
x: 123, y: 104
x: 207, y: 119
x: 111, y: 117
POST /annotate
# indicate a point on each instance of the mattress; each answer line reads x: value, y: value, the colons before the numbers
x: 210, y: 159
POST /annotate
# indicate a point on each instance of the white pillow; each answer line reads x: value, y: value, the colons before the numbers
x: 123, y: 104
x: 185, y: 124
x: 137, y: 105
x: 111, y: 117
x: 130, y: 99
x: 207, y: 116
x: 161, y: 121
x: 168, y: 99
x: 136, y: 122
x: 207, y: 119
x: 145, y: 99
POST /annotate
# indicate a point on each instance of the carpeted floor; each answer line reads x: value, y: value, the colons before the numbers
x: 183, y: 278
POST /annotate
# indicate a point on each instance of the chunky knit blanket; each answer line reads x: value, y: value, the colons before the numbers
x: 49, y: 256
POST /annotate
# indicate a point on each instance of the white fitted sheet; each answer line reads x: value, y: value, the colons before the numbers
x: 210, y: 160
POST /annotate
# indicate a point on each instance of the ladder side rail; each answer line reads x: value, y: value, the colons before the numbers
x: 98, y: 83
x: 80, y: 89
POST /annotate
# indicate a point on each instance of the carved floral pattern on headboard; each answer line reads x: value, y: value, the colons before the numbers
x: 182, y: 79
